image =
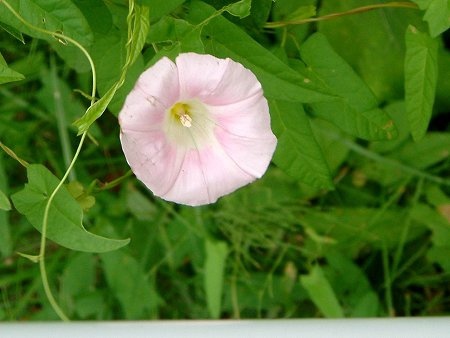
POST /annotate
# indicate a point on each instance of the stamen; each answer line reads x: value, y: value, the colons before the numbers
x: 182, y: 111
x: 186, y: 120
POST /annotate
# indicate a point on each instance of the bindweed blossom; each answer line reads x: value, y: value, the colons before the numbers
x: 197, y: 129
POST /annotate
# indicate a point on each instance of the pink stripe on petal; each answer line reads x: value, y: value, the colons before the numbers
x: 202, y: 180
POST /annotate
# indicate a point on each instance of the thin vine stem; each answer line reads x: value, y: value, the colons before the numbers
x: 61, y: 37
x: 42, y: 267
x: 395, y: 4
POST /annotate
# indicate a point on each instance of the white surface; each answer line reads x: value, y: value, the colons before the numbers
x: 345, y: 328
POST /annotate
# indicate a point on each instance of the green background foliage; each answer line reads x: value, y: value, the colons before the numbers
x: 352, y: 219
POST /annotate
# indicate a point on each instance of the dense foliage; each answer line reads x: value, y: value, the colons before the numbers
x: 352, y: 219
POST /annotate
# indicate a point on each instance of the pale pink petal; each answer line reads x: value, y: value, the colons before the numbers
x: 154, y: 161
x: 227, y: 144
x: 205, y: 176
x: 159, y: 83
x: 214, y: 81
x: 140, y: 114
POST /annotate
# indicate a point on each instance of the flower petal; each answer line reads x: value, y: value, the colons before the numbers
x: 153, y: 160
x: 160, y: 83
x: 205, y: 176
x: 215, y: 81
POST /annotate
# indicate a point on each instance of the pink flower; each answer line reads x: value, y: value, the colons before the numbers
x: 197, y: 129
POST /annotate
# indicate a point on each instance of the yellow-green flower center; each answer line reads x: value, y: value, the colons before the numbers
x: 181, y: 111
x: 189, y: 124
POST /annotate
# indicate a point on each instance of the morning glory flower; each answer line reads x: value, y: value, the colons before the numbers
x: 196, y: 129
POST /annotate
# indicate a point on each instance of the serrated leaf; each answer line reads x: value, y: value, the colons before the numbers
x: 216, y: 254
x: 355, y: 109
x: 241, y: 9
x: 298, y: 152
x: 321, y: 293
x: 65, y: 216
x: 437, y: 15
x: 53, y: 15
x: 421, y: 71
x: 279, y: 81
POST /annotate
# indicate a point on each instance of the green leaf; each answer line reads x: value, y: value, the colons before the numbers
x: 139, y: 29
x: 65, y: 216
x: 241, y: 9
x: 159, y: 9
x: 421, y: 71
x: 437, y: 15
x: 53, y: 15
x: 129, y: 284
x: 298, y: 152
x: 321, y: 293
x: 5, y: 227
x: 440, y: 228
x: 355, y: 109
x: 216, y: 255
x: 175, y: 36
x: 4, y: 202
x: 7, y: 74
x: 279, y: 81
x: 376, y: 43
x: 13, y: 32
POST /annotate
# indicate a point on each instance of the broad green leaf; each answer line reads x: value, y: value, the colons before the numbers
x: 65, y: 216
x: 175, y: 36
x: 321, y: 293
x: 355, y: 109
x: 302, y: 12
x: 129, y: 284
x: 159, y: 9
x: 7, y: 74
x: 279, y: 81
x: 60, y: 16
x: 437, y: 15
x: 371, y: 42
x: 421, y: 71
x: 440, y: 228
x: 241, y: 9
x: 351, y: 286
x: 297, y: 151
x: 216, y: 255
x: 372, y: 229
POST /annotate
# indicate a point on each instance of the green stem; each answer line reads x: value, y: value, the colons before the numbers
x: 47, y: 289
x: 42, y: 267
x: 395, y: 4
x: 61, y: 37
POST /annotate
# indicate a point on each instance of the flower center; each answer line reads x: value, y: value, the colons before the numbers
x: 181, y: 110
x: 189, y: 124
